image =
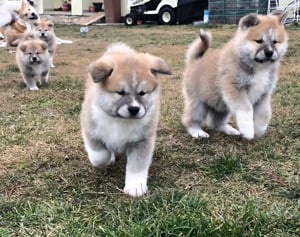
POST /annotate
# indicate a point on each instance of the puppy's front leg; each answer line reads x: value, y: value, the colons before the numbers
x: 244, y: 119
x: 139, y: 157
x: 44, y: 77
x: 98, y: 155
x: 262, y: 116
x: 29, y: 81
x: 243, y: 110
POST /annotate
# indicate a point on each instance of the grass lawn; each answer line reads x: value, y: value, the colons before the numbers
x: 222, y: 186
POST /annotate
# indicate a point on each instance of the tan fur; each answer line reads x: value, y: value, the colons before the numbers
x: 26, y: 11
x: 44, y: 29
x: 235, y: 80
x: 120, y: 111
x: 14, y: 32
x: 33, y: 60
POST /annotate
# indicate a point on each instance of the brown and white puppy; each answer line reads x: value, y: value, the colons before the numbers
x: 16, y: 18
x: 33, y: 60
x: 120, y: 111
x: 237, y: 79
x: 14, y: 33
x: 13, y: 10
x: 44, y: 29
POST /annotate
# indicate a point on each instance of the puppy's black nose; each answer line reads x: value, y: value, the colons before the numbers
x: 34, y: 58
x: 268, y: 53
x: 133, y: 110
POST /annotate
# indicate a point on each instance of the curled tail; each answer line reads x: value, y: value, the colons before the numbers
x: 198, y: 47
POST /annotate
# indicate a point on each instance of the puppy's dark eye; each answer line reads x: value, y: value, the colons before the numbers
x: 122, y: 92
x: 275, y: 41
x: 142, y: 93
x: 260, y: 41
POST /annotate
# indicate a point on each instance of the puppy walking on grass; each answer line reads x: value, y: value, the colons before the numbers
x: 33, y: 60
x: 120, y: 111
x: 235, y: 80
x: 44, y: 30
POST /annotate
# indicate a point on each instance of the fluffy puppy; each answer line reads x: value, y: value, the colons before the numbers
x: 33, y: 60
x: 13, y: 10
x: 235, y: 80
x: 120, y: 111
x: 14, y: 33
x: 45, y: 31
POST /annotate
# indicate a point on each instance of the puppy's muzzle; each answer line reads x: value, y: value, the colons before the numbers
x: 33, y: 16
x: 34, y: 60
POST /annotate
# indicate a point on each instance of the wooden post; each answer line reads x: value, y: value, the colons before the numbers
x: 77, y: 8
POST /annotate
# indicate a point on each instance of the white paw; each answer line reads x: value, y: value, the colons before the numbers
x: 229, y: 130
x: 52, y: 65
x: 248, y: 134
x: 35, y: 88
x: 135, y: 184
x: 135, y: 190
x: 100, y: 158
x: 197, y: 132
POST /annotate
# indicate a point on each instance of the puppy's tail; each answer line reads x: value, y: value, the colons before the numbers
x: 198, y: 47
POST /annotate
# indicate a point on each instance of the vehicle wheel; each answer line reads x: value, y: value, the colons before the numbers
x: 167, y: 16
x: 130, y: 19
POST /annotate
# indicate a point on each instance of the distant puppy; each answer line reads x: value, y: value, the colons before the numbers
x: 120, y: 111
x: 237, y: 80
x: 14, y: 33
x: 45, y: 31
x: 33, y: 60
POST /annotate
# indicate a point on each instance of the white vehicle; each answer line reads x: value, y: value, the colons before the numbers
x: 165, y: 12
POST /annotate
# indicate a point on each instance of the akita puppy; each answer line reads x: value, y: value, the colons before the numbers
x: 120, y: 111
x: 44, y: 29
x: 33, y: 60
x: 235, y: 80
x: 14, y: 33
x: 14, y: 9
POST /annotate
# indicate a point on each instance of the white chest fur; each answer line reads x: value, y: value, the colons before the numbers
x: 116, y: 132
x: 260, y: 84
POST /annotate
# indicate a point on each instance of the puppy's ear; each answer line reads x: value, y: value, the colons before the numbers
x: 158, y: 65
x: 23, y: 47
x: 50, y: 24
x: 100, y: 71
x: 248, y: 21
x: 282, y: 15
x: 44, y: 45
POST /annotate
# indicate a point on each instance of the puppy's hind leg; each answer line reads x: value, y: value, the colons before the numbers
x: 194, y: 113
x: 219, y: 121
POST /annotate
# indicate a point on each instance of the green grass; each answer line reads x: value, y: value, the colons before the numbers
x: 224, y: 186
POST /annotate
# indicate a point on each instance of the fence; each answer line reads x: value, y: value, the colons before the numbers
x: 230, y: 11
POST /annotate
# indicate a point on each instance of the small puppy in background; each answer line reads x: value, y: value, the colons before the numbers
x: 235, y: 80
x: 14, y: 32
x: 120, y: 111
x: 33, y: 60
x: 44, y: 29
